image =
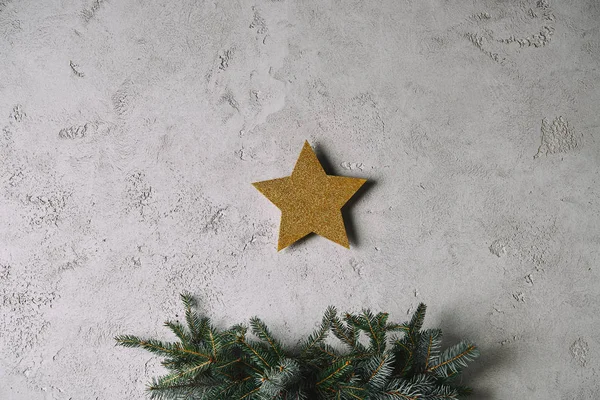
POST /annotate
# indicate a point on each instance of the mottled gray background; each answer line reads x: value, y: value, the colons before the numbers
x: 130, y: 132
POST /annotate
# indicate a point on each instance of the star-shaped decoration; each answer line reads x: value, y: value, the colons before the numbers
x: 310, y: 200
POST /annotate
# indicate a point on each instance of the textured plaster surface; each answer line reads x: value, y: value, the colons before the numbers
x: 130, y: 132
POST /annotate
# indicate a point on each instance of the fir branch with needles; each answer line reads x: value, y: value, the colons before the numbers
x: 397, y: 361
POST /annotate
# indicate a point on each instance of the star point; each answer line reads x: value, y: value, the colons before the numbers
x: 310, y: 200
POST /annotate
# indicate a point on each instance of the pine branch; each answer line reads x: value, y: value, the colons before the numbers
x: 394, y: 327
x: 404, y: 350
x: 214, y: 341
x: 416, y: 322
x: 260, y: 329
x: 158, y: 391
x: 402, y: 389
x: 372, y: 326
x: 353, y: 328
x: 352, y: 390
x: 190, y: 316
x: 318, y: 336
x: 429, y: 345
x: 327, y: 378
x: 342, y: 332
x: 255, y: 353
x: 158, y: 347
x: 179, y: 331
x: 422, y: 382
x: 453, y: 359
x: 190, y: 371
x: 211, y: 364
x: 443, y: 393
x: 378, y: 370
x: 279, y: 379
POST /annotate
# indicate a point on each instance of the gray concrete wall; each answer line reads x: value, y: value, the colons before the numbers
x: 130, y: 132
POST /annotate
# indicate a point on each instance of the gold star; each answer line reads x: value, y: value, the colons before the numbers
x: 310, y: 200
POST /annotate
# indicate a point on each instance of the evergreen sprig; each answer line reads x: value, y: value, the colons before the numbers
x: 396, y: 361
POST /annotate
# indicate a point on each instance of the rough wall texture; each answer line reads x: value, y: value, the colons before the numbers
x: 130, y: 132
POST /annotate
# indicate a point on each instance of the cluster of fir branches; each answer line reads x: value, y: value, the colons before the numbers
x: 378, y: 360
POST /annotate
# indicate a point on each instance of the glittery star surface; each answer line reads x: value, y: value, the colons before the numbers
x: 310, y: 200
